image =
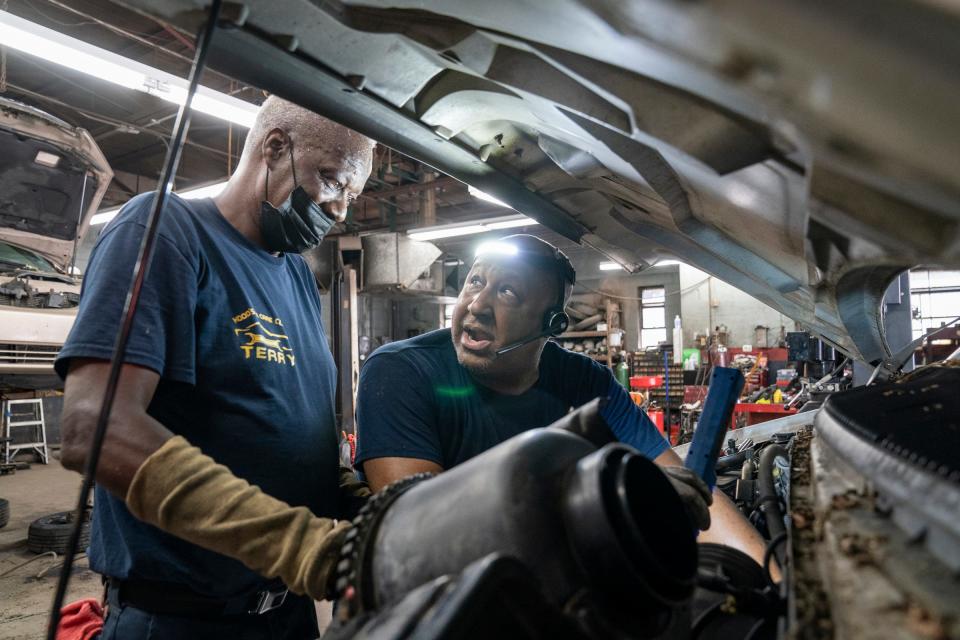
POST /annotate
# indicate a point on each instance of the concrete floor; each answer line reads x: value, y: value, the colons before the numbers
x: 25, y: 599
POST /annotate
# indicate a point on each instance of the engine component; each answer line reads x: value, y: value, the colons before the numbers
x: 601, y: 532
x: 733, y: 599
x: 904, y: 438
x: 18, y: 292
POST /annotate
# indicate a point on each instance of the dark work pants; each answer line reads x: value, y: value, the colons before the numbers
x: 295, y: 620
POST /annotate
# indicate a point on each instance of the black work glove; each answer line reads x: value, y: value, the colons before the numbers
x: 694, y: 494
x: 353, y: 494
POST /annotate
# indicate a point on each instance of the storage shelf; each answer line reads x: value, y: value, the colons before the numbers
x: 582, y: 334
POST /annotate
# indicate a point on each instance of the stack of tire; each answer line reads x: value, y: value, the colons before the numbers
x: 4, y: 512
x: 52, y: 533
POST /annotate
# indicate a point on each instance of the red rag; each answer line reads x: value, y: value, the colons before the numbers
x: 81, y: 620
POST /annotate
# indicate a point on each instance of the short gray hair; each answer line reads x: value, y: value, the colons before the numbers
x: 305, y: 128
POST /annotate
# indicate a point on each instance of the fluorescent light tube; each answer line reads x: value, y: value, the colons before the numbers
x: 510, y: 224
x: 75, y: 54
x: 105, y: 216
x: 437, y: 233
x: 470, y: 228
x: 480, y: 195
x: 610, y: 266
x: 208, y: 191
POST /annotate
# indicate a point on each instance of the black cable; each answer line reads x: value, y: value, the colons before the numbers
x: 140, y: 270
x: 766, y: 491
x: 768, y: 555
x: 839, y: 368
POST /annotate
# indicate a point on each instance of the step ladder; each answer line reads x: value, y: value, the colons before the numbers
x: 25, y: 416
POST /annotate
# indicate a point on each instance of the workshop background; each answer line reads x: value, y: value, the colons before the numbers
x: 392, y: 271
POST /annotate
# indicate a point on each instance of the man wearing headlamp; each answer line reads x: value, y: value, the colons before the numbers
x: 433, y: 401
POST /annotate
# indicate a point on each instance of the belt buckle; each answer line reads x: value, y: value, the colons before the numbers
x: 268, y: 601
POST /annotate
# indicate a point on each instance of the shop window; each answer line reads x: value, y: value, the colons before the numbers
x: 653, y: 324
x: 934, y: 297
x: 447, y: 316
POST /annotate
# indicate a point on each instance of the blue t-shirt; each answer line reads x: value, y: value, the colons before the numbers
x: 416, y: 401
x: 246, y: 375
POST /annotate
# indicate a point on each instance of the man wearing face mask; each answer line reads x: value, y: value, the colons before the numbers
x: 227, y: 354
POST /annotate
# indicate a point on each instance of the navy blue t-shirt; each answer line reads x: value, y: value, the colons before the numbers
x: 416, y: 401
x: 246, y: 375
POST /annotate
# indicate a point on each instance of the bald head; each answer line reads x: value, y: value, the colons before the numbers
x: 289, y: 147
x: 306, y: 129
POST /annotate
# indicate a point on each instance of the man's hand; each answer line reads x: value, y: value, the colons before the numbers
x: 693, y: 492
x: 730, y: 527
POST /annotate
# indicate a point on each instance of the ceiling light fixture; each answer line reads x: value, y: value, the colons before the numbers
x: 55, y: 47
x: 470, y: 228
x: 206, y: 191
x: 610, y: 266
x: 480, y: 195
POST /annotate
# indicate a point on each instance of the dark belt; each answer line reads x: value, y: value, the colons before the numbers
x: 175, y: 599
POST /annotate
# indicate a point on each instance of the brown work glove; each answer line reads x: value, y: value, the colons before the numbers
x: 694, y: 494
x: 186, y: 493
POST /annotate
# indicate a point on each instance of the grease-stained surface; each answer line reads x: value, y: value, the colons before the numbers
x: 876, y: 581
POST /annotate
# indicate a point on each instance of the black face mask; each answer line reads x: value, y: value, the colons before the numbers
x: 298, y: 224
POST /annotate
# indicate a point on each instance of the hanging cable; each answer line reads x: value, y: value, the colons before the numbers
x: 140, y: 270
x: 633, y: 299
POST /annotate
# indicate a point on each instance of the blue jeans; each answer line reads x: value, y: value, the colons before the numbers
x: 296, y: 619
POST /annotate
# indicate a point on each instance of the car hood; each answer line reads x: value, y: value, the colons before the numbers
x: 802, y: 152
x: 52, y: 178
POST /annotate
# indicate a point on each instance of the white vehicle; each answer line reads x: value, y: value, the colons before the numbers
x: 52, y: 178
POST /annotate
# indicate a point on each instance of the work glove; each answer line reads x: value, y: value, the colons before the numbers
x: 186, y: 493
x: 694, y: 494
x: 353, y: 494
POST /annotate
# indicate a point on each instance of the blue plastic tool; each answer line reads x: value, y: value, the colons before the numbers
x: 725, y: 387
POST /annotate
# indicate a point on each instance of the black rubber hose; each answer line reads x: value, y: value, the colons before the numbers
x: 733, y: 460
x: 767, y: 494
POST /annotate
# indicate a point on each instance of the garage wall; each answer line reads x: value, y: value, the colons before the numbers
x: 628, y: 287
x: 730, y: 306
x: 688, y: 291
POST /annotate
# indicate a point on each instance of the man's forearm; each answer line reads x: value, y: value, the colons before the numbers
x: 186, y: 493
x: 132, y: 434
x: 729, y: 527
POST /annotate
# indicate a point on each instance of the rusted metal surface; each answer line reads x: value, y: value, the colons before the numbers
x: 857, y: 574
x: 809, y: 607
